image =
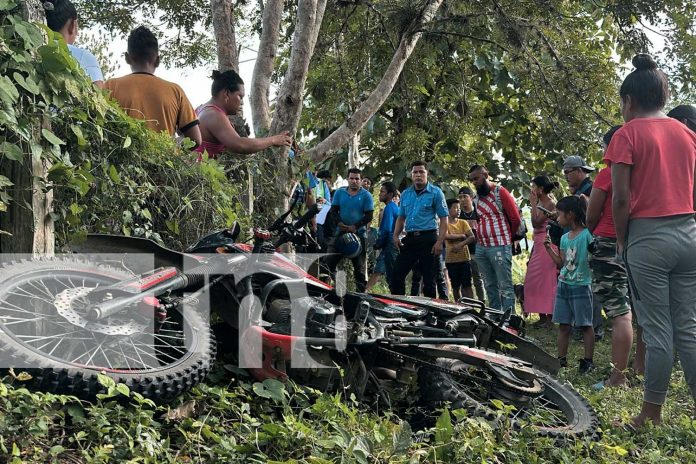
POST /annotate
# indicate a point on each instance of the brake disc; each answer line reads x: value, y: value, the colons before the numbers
x: 67, y: 304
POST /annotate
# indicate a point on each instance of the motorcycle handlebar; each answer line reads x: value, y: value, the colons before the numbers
x: 306, y: 217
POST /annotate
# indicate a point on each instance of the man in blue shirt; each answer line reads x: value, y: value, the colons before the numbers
x: 351, y: 211
x: 421, y: 206
x: 387, y: 257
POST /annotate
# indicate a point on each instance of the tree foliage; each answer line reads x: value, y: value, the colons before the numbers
x: 516, y: 85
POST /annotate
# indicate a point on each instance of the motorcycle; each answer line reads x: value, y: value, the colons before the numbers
x: 65, y: 320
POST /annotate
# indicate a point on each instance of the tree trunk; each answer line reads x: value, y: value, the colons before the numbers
x: 28, y: 218
x: 223, y: 27
x: 289, y: 104
x: 341, y: 136
x: 354, y: 151
x: 263, y: 68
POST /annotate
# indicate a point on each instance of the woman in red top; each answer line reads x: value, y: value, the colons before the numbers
x: 656, y: 235
x: 216, y: 130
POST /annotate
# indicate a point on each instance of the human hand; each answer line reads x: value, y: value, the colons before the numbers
x: 547, y: 241
x: 533, y: 198
x: 281, y: 140
x: 437, y: 248
x: 397, y: 242
x: 351, y: 229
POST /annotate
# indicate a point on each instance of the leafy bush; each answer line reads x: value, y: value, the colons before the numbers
x: 109, y: 173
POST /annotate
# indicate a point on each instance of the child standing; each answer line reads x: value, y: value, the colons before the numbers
x: 574, y: 293
x: 458, y: 261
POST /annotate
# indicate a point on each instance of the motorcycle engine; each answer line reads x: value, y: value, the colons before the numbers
x: 315, y: 315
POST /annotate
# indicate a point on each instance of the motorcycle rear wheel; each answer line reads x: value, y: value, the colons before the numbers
x: 64, y: 356
x: 559, y: 412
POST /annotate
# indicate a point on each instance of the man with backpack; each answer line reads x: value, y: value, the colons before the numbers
x: 499, y: 222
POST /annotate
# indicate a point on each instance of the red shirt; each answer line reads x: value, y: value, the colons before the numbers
x: 494, y: 228
x: 662, y: 152
x: 605, y: 226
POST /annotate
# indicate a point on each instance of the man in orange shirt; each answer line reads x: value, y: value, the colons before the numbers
x: 162, y: 104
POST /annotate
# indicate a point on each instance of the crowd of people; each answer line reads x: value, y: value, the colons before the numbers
x: 584, y: 266
x: 614, y: 246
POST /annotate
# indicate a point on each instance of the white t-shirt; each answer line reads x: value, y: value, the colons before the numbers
x: 88, y: 62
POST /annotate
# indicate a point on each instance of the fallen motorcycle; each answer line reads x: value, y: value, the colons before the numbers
x: 65, y: 320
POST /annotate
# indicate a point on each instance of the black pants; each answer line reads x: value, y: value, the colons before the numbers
x: 359, y: 265
x: 440, y: 282
x: 416, y: 254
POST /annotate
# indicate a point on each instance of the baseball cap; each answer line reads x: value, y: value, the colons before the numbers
x: 574, y: 162
x: 466, y: 191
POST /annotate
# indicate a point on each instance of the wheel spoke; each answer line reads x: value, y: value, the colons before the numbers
x: 29, y: 312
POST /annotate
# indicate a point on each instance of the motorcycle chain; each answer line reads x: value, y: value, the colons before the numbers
x: 490, y: 384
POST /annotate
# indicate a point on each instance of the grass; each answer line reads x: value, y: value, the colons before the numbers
x: 229, y: 419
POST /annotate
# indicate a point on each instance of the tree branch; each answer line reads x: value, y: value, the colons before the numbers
x: 290, y: 96
x: 380, y: 94
x: 263, y: 69
x: 470, y: 37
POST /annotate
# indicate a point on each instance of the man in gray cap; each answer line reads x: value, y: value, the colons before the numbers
x: 577, y: 173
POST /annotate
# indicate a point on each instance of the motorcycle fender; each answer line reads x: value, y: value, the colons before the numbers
x: 137, y: 254
x: 523, y: 349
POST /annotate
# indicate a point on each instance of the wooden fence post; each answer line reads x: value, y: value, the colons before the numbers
x: 28, y: 218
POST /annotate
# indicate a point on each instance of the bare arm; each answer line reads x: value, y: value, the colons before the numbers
x: 398, y: 228
x: 437, y: 248
x: 557, y: 258
x: 455, y: 236
x: 221, y: 128
x: 621, y: 196
x: 594, y: 208
x: 194, y: 133
x: 468, y: 240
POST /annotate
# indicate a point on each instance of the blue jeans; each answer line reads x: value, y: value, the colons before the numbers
x: 495, y: 264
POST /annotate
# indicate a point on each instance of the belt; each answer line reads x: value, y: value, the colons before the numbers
x: 418, y: 233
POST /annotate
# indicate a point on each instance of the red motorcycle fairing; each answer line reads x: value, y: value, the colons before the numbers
x: 159, y: 276
x: 274, y: 347
x: 283, y: 262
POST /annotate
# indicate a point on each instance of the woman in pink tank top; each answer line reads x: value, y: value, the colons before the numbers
x: 216, y: 130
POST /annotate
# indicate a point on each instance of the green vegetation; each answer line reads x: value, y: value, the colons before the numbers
x: 232, y: 419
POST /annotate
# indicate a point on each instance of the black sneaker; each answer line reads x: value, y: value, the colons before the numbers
x: 585, y: 366
x: 563, y: 361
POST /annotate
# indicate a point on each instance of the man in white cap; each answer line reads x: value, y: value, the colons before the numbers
x: 577, y: 173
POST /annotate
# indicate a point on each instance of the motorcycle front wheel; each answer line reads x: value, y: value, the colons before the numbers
x: 43, y: 332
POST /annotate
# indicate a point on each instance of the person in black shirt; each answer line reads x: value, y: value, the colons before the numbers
x: 468, y: 213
